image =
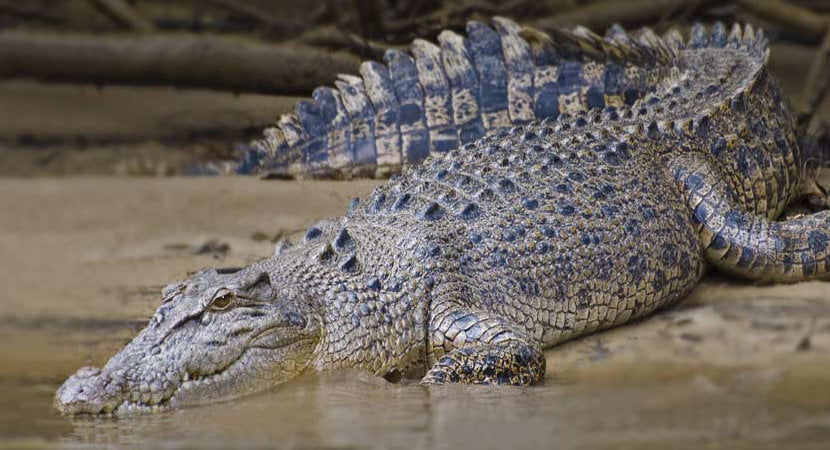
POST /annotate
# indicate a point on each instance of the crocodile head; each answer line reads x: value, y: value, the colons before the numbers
x: 216, y: 336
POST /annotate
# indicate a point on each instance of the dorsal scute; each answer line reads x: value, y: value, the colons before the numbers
x: 646, y: 47
x: 329, y: 243
x: 744, y: 38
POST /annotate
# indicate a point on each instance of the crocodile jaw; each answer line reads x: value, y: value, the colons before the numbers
x: 108, y: 391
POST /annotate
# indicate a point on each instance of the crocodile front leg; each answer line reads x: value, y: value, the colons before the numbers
x: 478, y: 348
x: 745, y: 244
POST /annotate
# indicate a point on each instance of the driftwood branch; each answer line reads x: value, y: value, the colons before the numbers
x: 272, y: 23
x: 181, y: 59
x: 600, y: 15
x: 246, y: 10
x: 369, y: 17
x: 818, y: 81
x: 332, y: 38
x: 28, y: 12
x: 122, y: 15
x: 807, y: 23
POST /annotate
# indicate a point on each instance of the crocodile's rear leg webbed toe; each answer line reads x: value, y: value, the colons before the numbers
x: 482, y: 349
x: 746, y: 244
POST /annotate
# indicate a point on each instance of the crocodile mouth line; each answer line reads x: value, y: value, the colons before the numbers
x: 187, y: 381
x: 191, y: 380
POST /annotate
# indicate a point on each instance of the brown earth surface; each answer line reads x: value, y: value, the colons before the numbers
x: 82, y: 261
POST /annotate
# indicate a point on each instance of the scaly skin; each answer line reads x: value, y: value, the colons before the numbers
x: 464, y: 269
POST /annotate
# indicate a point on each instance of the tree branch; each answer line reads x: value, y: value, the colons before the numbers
x: 818, y: 81
x: 599, y: 16
x: 273, y: 24
x: 807, y: 23
x: 122, y: 15
x: 28, y: 12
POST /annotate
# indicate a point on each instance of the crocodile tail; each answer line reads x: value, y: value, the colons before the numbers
x: 440, y: 96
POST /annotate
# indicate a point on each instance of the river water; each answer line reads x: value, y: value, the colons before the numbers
x: 356, y: 411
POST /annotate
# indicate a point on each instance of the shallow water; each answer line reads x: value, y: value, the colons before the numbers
x: 653, y: 384
x: 357, y: 411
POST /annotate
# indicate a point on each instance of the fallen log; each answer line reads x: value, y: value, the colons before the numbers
x: 184, y: 60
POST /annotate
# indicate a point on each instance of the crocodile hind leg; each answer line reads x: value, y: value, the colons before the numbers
x: 746, y: 244
x: 481, y: 349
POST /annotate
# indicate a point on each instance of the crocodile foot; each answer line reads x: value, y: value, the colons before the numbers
x: 512, y: 363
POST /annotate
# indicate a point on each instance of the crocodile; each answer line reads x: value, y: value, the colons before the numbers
x: 570, y: 183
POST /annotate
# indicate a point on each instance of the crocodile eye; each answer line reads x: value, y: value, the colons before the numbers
x: 222, y: 300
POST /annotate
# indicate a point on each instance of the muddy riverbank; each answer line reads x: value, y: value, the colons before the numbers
x: 82, y: 261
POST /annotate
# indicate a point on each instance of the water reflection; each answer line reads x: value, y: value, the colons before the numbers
x: 349, y: 410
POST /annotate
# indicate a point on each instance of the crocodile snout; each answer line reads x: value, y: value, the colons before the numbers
x: 90, y: 391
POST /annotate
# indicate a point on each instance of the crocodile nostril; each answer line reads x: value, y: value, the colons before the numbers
x: 88, y: 391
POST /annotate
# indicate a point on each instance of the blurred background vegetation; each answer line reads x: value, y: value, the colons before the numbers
x: 157, y: 87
